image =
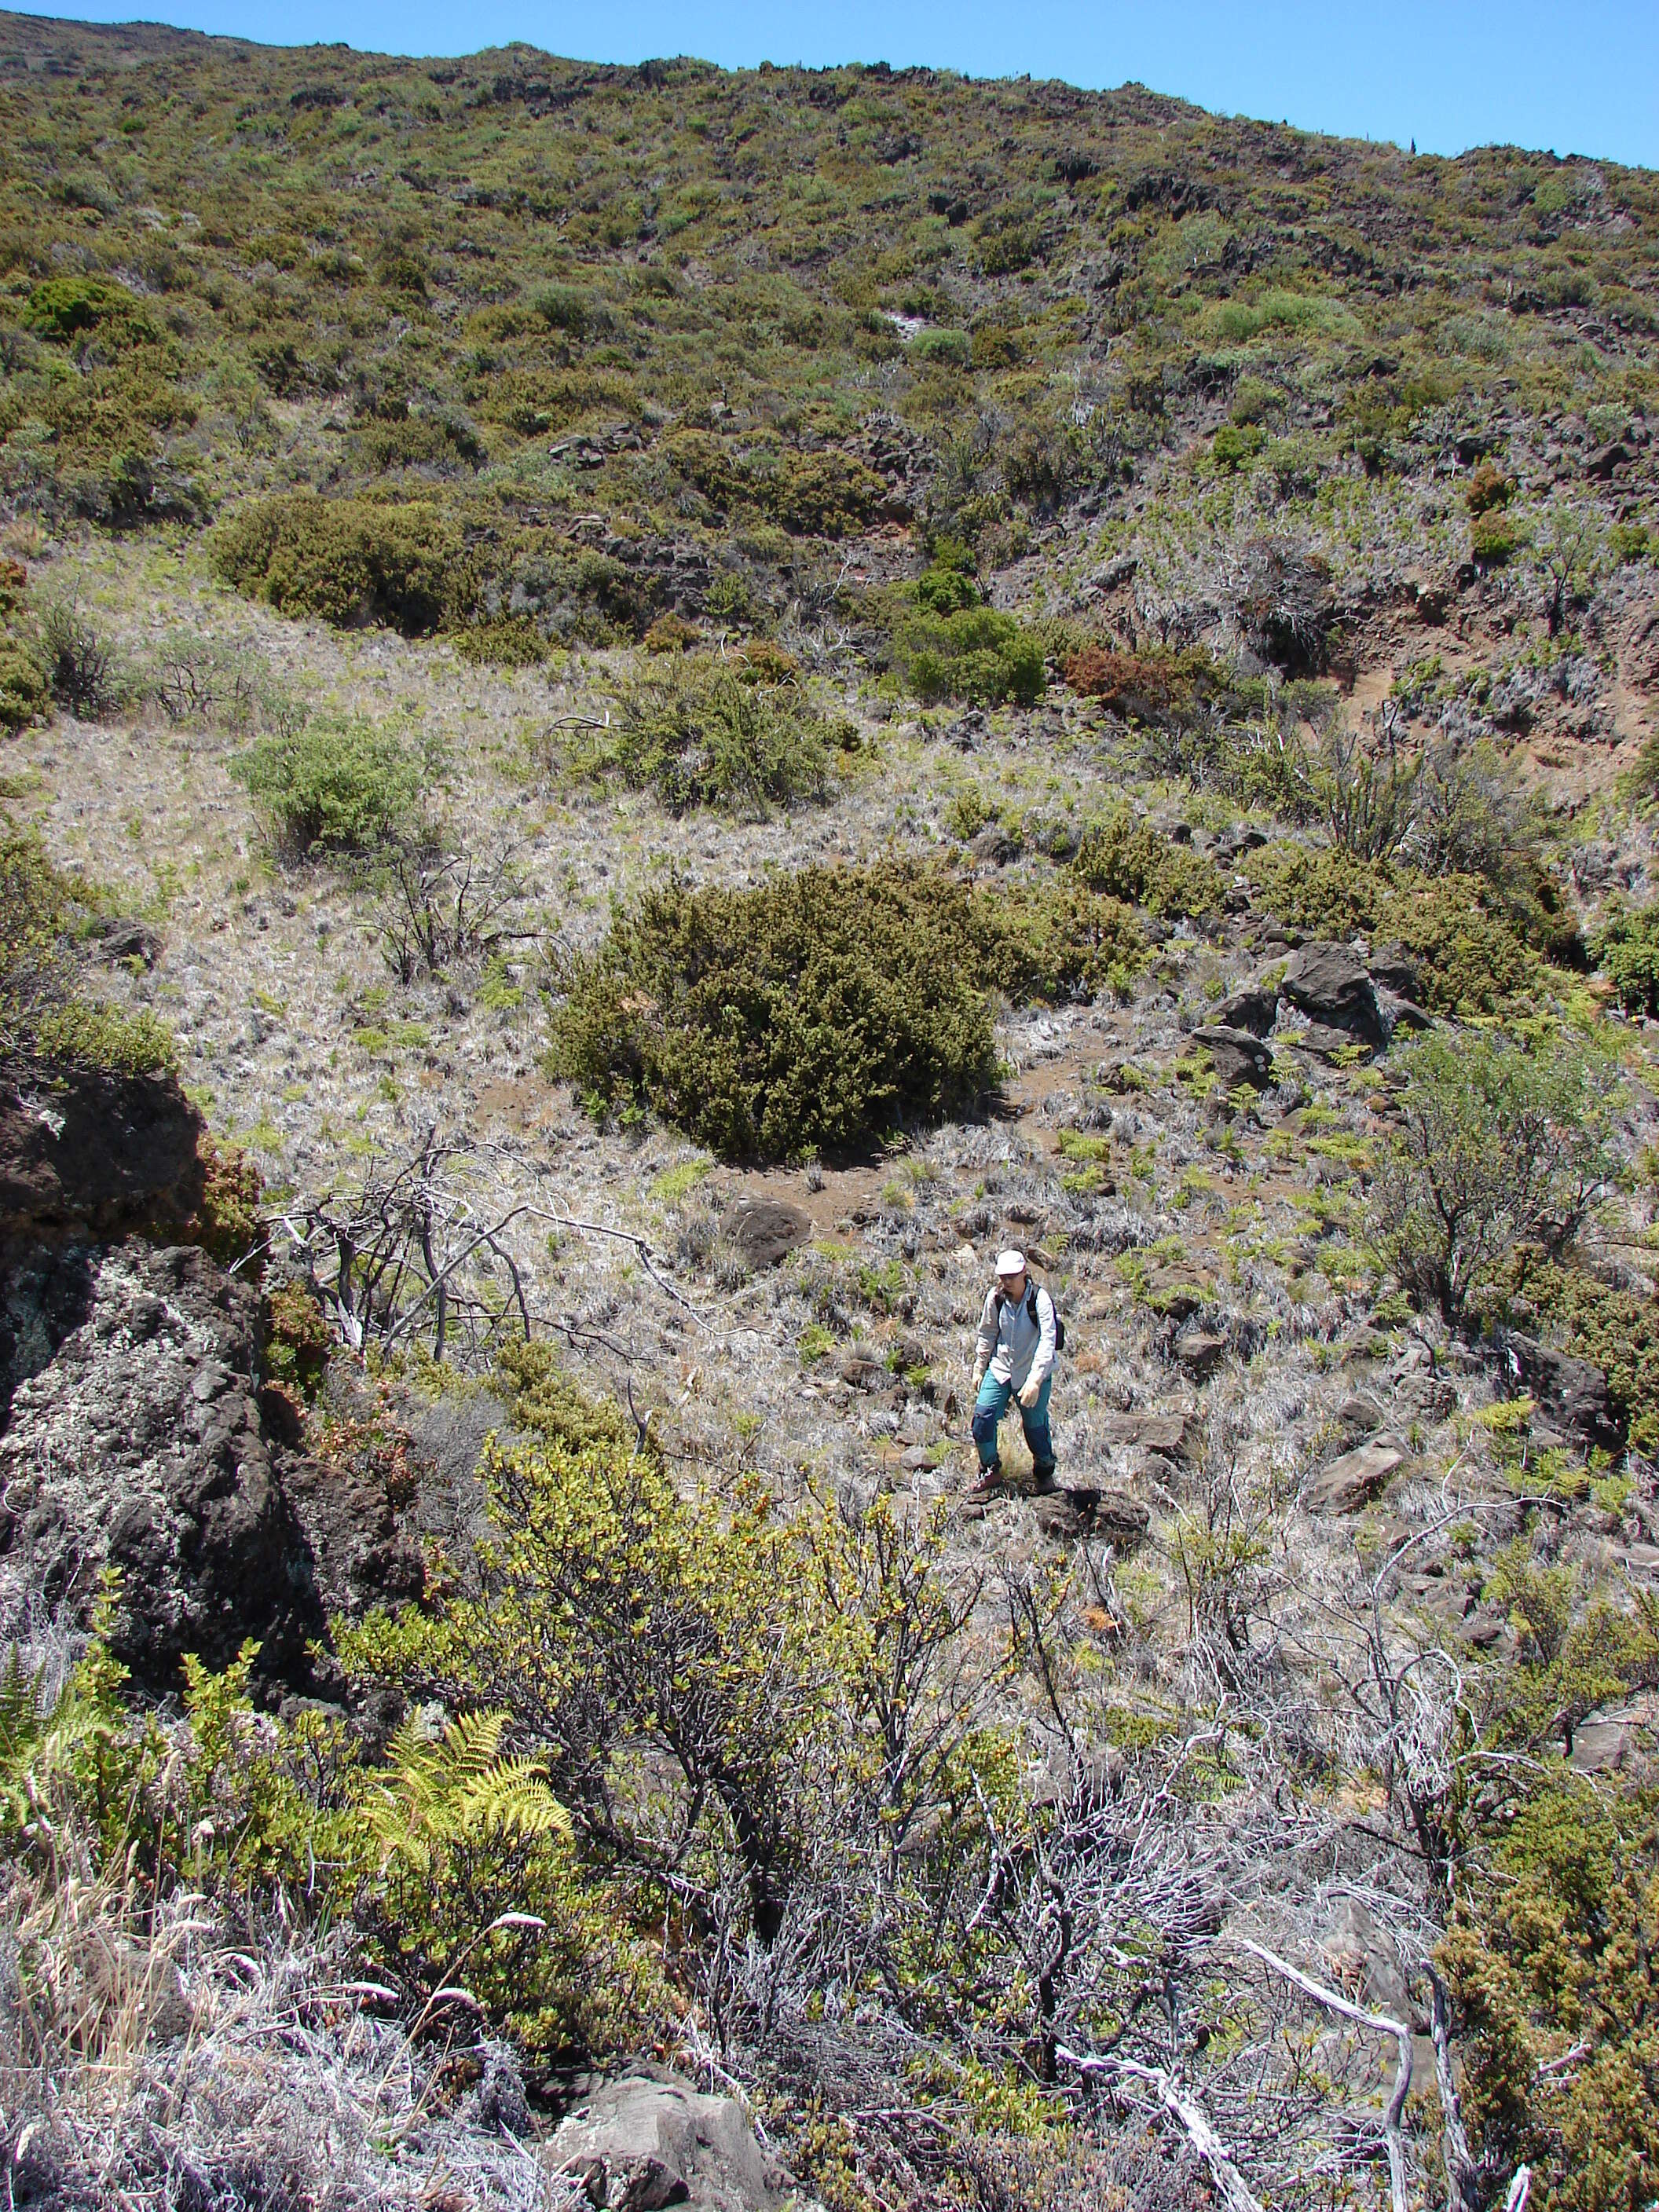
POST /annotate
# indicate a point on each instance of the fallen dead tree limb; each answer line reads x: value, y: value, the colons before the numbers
x: 1379, y: 2024
x: 1232, y: 2187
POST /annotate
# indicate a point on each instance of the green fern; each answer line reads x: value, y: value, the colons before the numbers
x: 38, y: 1737
x: 456, y: 1788
x: 21, y: 1718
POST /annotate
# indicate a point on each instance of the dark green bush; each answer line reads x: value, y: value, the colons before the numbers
x: 67, y: 307
x: 825, y: 494
x: 1617, y: 1331
x: 1626, y: 949
x: 1551, y: 1956
x: 816, y: 1011
x: 1499, y: 1148
x: 337, y: 785
x: 1054, y: 940
x: 948, y: 644
x: 1128, y: 859
x: 1471, y: 960
x: 348, y: 561
x: 44, y: 1014
x: 24, y: 692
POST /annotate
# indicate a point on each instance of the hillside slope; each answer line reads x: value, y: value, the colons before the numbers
x: 648, y: 712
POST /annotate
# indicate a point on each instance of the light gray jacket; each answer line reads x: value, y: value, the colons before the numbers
x: 1012, y: 1345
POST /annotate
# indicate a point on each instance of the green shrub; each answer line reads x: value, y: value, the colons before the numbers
x: 950, y: 646
x: 1235, y: 443
x: 509, y: 641
x: 703, y: 732
x: 44, y: 1014
x: 337, y: 786
x: 1630, y: 541
x: 1550, y: 1956
x: 1054, y: 940
x: 1494, y: 538
x: 68, y: 307
x: 816, y: 1012
x: 1615, y: 1330
x: 967, y: 812
x: 1470, y: 961
x: 346, y: 561
x: 25, y: 694
x: 824, y: 495
x: 1626, y: 949
x: 1500, y: 1148
x: 1128, y: 859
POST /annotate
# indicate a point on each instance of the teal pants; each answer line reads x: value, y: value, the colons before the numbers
x: 988, y: 1410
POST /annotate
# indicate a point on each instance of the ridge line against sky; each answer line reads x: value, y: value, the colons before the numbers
x: 1463, y: 73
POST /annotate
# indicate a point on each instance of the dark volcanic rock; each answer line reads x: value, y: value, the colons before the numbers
x: 96, y: 1155
x: 1253, y: 1007
x: 767, y: 1229
x: 1571, y: 1393
x: 650, y: 2139
x: 1392, y: 969
x: 1329, y: 983
x: 140, y: 1446
x: 1236, y: 1056
x: 1349, y: 1484
x: 1117, y: 1515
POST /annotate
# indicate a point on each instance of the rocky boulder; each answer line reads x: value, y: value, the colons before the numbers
x: 1253, y: 1007
x: 1330, y: 984
x: 1570, y: 1394
x: 764, y: 1230
x: 1349, y: 1484
x: 649, y: 2140
x: 96, y: 1156
x: 1237, y: 1056
x: 140, y: 1445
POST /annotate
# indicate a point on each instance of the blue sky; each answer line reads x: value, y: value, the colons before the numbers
x: 1578, y: 78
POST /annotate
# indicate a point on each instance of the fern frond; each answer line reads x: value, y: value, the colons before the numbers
x: 23, y: 1721
x: 456, y: 1788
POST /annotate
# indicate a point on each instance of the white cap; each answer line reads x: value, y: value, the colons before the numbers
x: 1011, y: 1263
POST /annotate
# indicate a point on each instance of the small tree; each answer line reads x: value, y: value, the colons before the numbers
x: 1571, y: 550
x: 1501, y: 1149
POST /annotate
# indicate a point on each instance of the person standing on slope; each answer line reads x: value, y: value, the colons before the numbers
x: 1014, y: 1357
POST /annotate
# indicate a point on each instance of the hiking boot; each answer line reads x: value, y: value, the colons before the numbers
x: 1043, y: 1477
x: 990, y: 1481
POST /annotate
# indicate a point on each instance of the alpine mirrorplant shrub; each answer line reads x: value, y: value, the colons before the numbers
x: 819, y: 1010
x: 1127, y: 859
x: 1550, y: 1959
x: 348, y: 562
x: 45, y: 1015
x: 1055, y: 940
x: 337, y: 786
x: 1617, y: 1331
x: 1470, y: 960
x: 700, y: 732
x: 1626, y: 949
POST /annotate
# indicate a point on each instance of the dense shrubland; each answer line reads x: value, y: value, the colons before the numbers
x: 692, y: 1751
